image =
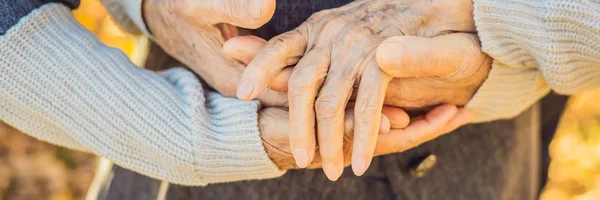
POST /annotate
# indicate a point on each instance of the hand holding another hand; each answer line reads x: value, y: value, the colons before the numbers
x: 274, y: 129
x: 337, y: 50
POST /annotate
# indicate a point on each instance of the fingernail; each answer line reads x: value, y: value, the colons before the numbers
x: 384, y: 58
x: 332, y: 173
x: 245, y: 90
x: 255, y: 9
x: 384, y: 125
x: 359, y: 166
x: 301, y: 157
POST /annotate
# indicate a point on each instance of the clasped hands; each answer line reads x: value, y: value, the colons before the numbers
x: 336, y: 72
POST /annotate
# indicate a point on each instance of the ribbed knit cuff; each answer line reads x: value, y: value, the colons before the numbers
x: 226, y: 142
x: 60, y: 84
x: 559, y: 37
x: 510, y: 31
x: 507, y: 92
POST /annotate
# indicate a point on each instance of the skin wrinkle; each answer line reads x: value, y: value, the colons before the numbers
x: 193, y: 32
x: 361, y: 25
x: 328, y: 31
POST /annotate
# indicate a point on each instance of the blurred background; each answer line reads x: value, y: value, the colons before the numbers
x: 30, y: 169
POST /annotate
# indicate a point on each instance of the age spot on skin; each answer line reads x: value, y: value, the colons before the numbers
x: 389, y: 7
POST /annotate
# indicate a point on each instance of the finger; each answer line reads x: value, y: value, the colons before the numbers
x: 463, y: 116
x: 418, y: 132
x: 245, y: 48
x: 367, y: 114
x: 330, y: 110
x: 305, y: 82
x: 411, y: 56
x: 396, y: 114
x: 330, y: 107
x: 249, y: 14
x: 279, y: 52
x: 384, y: 126
x: 398, y: 118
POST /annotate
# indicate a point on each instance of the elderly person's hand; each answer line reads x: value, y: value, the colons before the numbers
x: 274, y: 122
x: 274, y: 129
x: 194, y: 32
x: 337, y: 49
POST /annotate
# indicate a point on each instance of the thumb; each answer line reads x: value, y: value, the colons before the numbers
x: 249, y: 14
x: 245, y: 48
x: 411, y: 56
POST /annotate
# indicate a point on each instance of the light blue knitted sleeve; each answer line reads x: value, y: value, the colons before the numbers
x: 60, y: 84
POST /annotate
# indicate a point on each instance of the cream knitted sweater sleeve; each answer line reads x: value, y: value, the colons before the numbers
x: 537, y: 46
x: 59, y: 84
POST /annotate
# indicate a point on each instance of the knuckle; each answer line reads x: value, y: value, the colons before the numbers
x: 366, y: 112
x: 297, y: 95
x: 318, y: 16
x: 334, y: 25
x: 299, y: 86
x: 285, y: 40
x: 329, y: 106
x: 278, y: 42
x: 299, y: 99
x: 318, y: 58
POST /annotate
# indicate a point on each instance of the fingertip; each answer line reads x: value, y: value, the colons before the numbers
x: 261, y: 12
x: 395, y: 55
x: 243, y: 48
x: 385, y: 56
x: 254, y: 81
x: 384, y: 125
x: 245, y: 90
x: 302, y: 157
x: 268, y: 10
x: 398, y: 117
x: 332, y: 171
x: 244, y: 42
x: 360, y: 165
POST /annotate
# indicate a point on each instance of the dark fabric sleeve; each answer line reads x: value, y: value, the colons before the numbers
x: 11, y: 11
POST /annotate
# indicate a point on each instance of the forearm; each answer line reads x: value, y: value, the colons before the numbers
x: 555, y: 42
x: 61, y: 85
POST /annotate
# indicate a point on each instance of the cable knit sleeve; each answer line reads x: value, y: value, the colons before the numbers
x: 537, y: 46
x: 59, y: 84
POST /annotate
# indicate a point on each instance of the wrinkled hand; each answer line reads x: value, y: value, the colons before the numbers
x: 334, y: 51
x: 429, y: 71
x: 244, y: 48
x: 194, y: 32
x: 274, y: 127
